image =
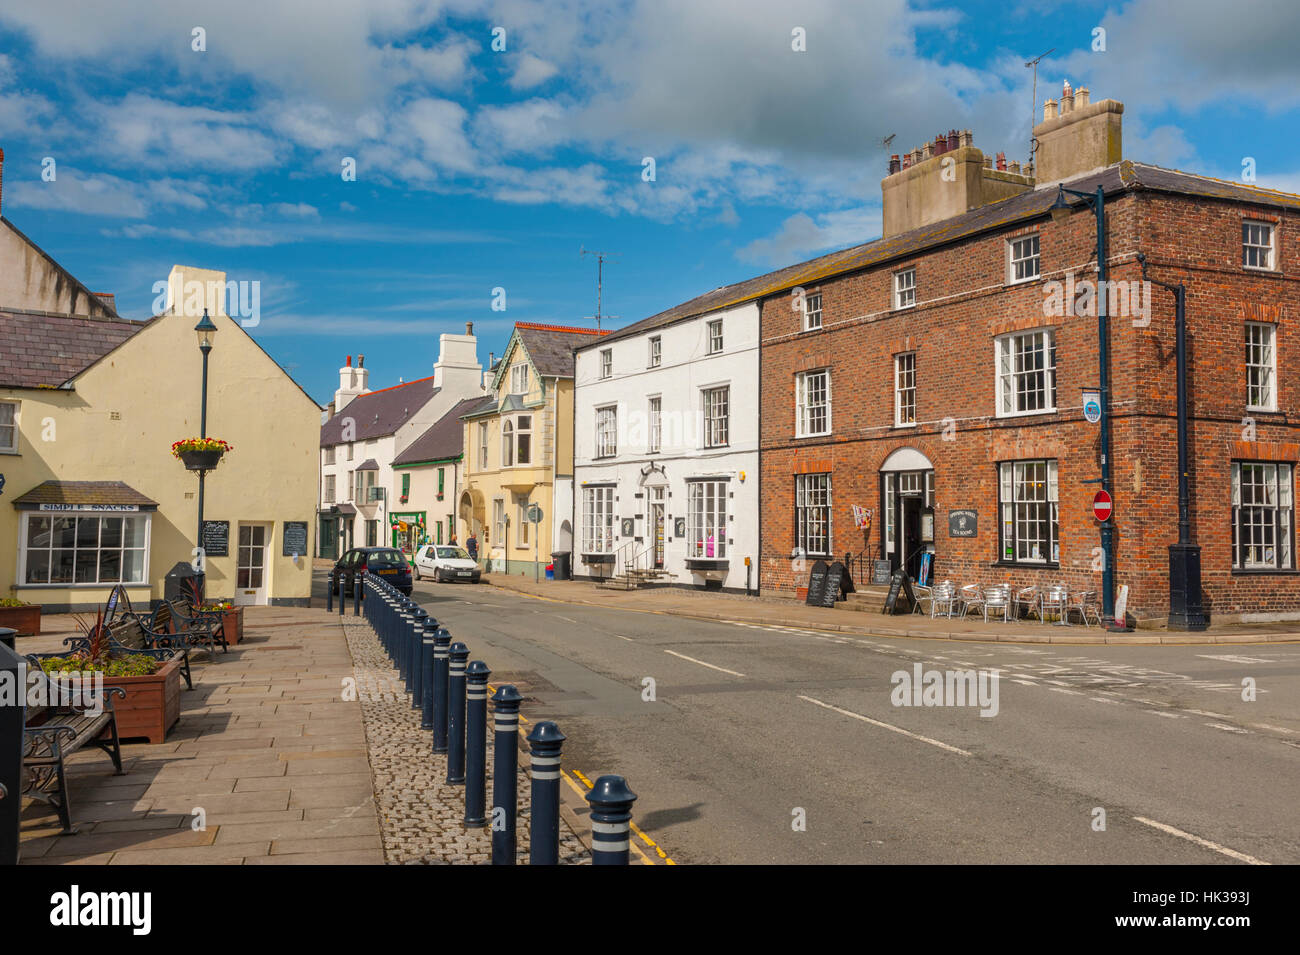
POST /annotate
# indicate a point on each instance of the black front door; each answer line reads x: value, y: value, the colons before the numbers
x: 911, y: 536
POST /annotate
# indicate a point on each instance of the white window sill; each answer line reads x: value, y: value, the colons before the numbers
x: 1024, y: 281
x: 904, y: 426
x: 1260, y: 268
x: 904, y: 308
x: 1025, y: 414
x: 815, y: 434
x: 1262, y: 410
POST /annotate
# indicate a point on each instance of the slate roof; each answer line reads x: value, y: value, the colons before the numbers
x: 379, y: 413
x: 481, y: 406
x: 369, y: 464
x: 49, y: 349
x: 551, y: 346
x: 444, y: 440
x: 1121, y: 177
x: 83, y: 492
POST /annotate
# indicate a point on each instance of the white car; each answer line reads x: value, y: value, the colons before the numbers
x: 445, y: 563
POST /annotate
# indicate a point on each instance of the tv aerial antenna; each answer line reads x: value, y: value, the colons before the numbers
x: 1033, y: 105
x: 600, y: 280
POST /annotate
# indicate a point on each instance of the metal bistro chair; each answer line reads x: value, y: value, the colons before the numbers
x: 1056, y: 600
x: 998, y: 598
x: 972, y: 598
x: 1085, y: 603
x: 1030, y: 601
x: 943, y: 599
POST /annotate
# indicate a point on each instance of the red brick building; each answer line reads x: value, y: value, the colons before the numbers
x: 936, y: 377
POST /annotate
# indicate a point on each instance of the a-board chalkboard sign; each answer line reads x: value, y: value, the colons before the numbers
x: 880, y: 571
x: 216, y: 538
x: 817, y: 584
x: 835, y: 578
x: 295, y: 539
x: 900, y: 583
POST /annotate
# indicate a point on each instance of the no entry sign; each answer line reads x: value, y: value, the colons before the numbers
x: 1102, y: 506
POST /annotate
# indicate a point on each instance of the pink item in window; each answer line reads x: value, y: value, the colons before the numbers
x: 708, y: 551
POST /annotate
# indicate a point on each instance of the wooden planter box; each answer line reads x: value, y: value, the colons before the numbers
x: 26, y: 620
x: 152, y: 704
x: 232, y: 624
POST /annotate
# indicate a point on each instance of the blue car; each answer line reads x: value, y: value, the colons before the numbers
x: 388, y: 563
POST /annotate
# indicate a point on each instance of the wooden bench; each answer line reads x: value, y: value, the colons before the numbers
x: 64, y: 725
x: 203, y: 627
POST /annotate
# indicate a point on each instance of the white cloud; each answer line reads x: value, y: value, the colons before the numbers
x: 802, y: 236
x: 531, y: 71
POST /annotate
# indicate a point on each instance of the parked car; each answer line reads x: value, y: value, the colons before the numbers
x: 386, y: 562
x: 445, y: 562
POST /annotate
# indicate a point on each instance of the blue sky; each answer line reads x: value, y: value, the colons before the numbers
x: 479, y: 168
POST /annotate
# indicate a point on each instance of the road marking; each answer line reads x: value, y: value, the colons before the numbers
x: 1224, y: 850
x: 887, y: 726
x: 1233, y: 658
x: 703, y: 664
x: 1058, y: 689
x: 1272, y: 729
x: 621, y: 637
x: 1168, y: 716
x: 1217, y: 716
x: 1102, y: 699
x: 1229, y: 729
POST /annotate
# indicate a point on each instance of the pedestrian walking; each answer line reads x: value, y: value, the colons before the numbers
x: 471, y: 545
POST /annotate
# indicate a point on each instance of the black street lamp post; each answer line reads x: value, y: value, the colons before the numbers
x: 206, y: 330
x: 1061, y: 211
x: 1186, y: 607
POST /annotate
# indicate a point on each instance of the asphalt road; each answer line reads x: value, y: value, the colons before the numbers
x: 753, y: 729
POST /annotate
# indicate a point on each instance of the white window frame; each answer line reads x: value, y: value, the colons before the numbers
x: 1261, y: 366
x: 813, y: 524
x: 1266, y: 251
x: 607, y: 363
x: 519, y: 378
x: 499, y: 520
x: 1035, y: 258
x: 715, y: 339
x: 14, y: 409
x: 715, y: 405
x: 1017, y: 513
x: 483, y: 445
x: 1271, y: 515
x: 523, y: 526
x: 329, y: 454
x: 905, y: 288
x: 1009, y: 378
x: 523, y: 429
x: 654, y: 423
x: 598, y: 519
x: 330, y: 488
x: 803, y: 411
x: 606, y: 431
x: 507, y: 443
x: 905, y: 390
x: 812, y: 312
x: 656, y: 347
x: 706, y: 511
x: 24, y: 551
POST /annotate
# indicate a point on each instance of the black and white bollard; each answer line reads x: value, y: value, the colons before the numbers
x: 415, y: 640
x: 441, y: 643
x: 611, y: 814
x: 505, y: 765
x: 476, y: 680
x: 343, y: 594
x: 426, y: 667
x: 458, y: 655
x: 546, y: 741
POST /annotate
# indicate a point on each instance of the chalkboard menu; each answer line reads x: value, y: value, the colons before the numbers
x: 899, y: 583
x: 880, y: 571
x: 295, y: 539
x: 817, y: 584
x: 963, y: 523
x: 216, y: 538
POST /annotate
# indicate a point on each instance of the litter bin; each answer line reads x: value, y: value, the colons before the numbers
x: 181, y: 581
x: 562, y: 559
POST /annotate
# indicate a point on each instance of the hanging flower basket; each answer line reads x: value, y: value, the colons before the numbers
x: 200, y: 454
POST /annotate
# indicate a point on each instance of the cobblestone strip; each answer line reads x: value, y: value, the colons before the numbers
x: 420, y: 815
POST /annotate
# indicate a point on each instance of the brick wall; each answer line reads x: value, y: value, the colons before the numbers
x: 963, y: 303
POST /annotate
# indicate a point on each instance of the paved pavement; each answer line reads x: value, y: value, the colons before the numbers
x: 267, y: 753
x: 750, y: 740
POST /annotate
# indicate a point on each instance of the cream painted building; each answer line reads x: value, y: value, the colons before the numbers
x: 89, y: 407
x: 519, y: 452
